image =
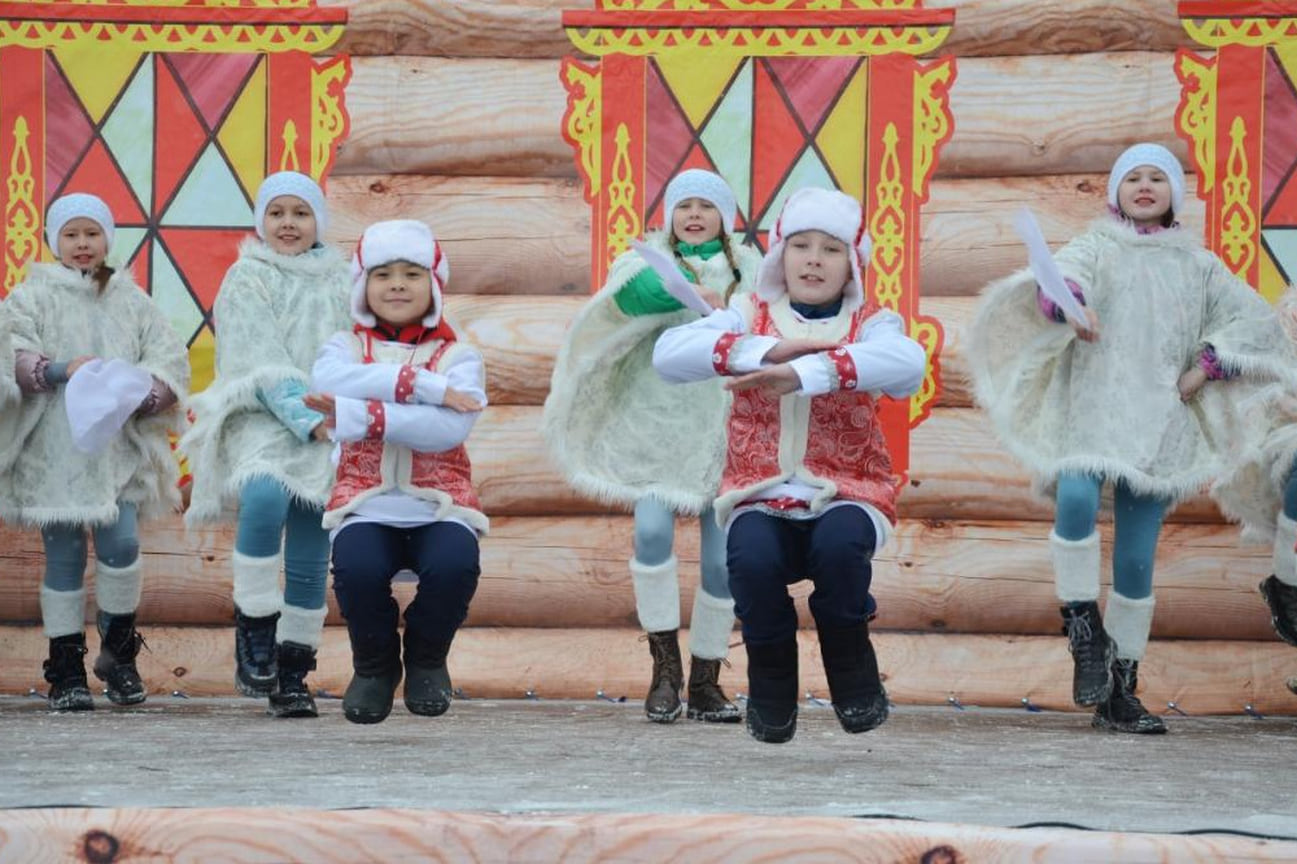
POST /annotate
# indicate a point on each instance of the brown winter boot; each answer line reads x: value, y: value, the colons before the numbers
x: 662, y: 705
x: 707, y: 701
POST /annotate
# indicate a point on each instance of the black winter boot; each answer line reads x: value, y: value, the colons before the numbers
x: 256, y: 671
x: 662, y: 705
x: 707, y: 701
x: 772, y: 691
x: 1282, y: 600
x: 65, y: 670
x: 291, y: 697
x: 377, y: 664
x: 851, y: 666
x: 119, y: 645
x: 427, y: 681
x: 1093, y: 652
x: 1122, y: 711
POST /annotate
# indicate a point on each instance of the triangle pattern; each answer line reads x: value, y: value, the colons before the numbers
x: 812, y: 83
x: 1272, y: 282
x: 98, y: 173
x: 180, y: 137
x: 776, y: 141
x: 809, y: 171
x: 212, y: 80
x: 142, y: 265
x: 1279, y: 143
x: 129, y: 133
x: 670, y: 135
x: 202, y: 256
x: 698, y: 79
x: 728, y: 137
x: 63, y: 111
x: 126, y: 246
x: 202, y: 360
x: 243, y: 134
x: 172, y: 297
x: 841, y: 138
x: 210, y: 195
x: 96, y: 75
x: 1282, y: 243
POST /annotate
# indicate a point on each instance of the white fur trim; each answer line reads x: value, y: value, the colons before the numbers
x: 397, y: 240
x: 63, y: 612
x: 1155, y: 155
x: 1285, y: 558
x: 299, y: 186
x: 303, y: 626
x: 117, y: 589
x: 836, y: 214
x: 1129, y: 622
x: 710, y: 626
x: 657, y: 594
x: 697, y: 183
x: 78, y: 205
x: 1076, y: 567
x: 256, y: 584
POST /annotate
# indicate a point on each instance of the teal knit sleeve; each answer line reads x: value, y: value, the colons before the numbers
x: 284, y: 400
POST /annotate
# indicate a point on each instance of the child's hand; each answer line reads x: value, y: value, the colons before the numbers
x: 326, y: 405
x: 76, y: 364
x: 1090, y: 333
x: 713, y: 299
x: 777, y: 380
x: 1191, y: 382
x: 456, y: 400
x: 791, y: 349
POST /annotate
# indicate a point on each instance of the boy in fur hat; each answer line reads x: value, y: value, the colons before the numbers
x: 620, y: 435
x: 1123, y: 397
x: 63, y: 316
x: 256, y: 443
x: 401, y: 393
x: 807, y: 491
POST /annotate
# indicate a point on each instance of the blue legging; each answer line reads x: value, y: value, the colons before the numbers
x: 269, y: 513
x: 117, y: 545
x: 655, y: 527
x: 1137, y: 522
x: 1290, y: 492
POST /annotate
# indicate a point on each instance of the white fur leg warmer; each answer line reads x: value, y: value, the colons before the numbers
x: 657, y: 595
x: 1285, y: 559
x: 117, y: 589
x: 63, y: 612
x: 1129, y: 622
x: 303, y: 626
x: 256, y: 585
x: 1076, y: 567
x: 711, y: 626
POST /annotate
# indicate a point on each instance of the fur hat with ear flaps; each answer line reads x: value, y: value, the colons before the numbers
x: 836, y: 214
x: 397, y: 240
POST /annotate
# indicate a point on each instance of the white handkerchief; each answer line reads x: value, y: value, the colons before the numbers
x: 672, y: 280
x: 100, y: 397
x: 1048, y: 276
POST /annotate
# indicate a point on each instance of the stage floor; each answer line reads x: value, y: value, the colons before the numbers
x: 973, y: 766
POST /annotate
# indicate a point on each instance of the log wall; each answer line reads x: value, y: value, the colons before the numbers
x: 455, y: 114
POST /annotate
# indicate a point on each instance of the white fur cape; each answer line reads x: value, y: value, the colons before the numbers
x: 615, y: 429
x: 9, y: 393
x: 43, y: 478
x: 272, y: 315
x: 1112, y: 407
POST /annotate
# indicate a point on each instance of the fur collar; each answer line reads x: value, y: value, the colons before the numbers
x: 1125, y: 233
x: 322, y: 259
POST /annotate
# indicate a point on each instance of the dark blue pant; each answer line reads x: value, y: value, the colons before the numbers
x: 366, y: 556
x: 768, y: 553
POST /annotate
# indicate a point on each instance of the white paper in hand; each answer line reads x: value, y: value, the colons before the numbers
x: 100, y: 397
x: 1048, y: 276
x: 672, y: 279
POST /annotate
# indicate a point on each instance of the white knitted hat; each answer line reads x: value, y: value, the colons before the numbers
x: 298, y: 185
x: 1148, y: 154
x: 78, y: 205
x: 397, y: 240
x: 836, y: 214
x: 697, y: 183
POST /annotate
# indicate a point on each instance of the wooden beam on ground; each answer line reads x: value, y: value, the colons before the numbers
x: 942, y: 577
x: 1201, y: 677
x: 255, y: 834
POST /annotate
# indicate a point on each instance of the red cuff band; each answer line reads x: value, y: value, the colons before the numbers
x: 376, y: 417
x: 721, y: 353
x: 405, y: 385
x: 847, y: 379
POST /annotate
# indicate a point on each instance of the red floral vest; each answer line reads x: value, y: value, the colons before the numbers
x: 837, y: 434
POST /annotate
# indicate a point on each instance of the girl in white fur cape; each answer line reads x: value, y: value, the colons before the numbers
x: 1123, y: 398
x: 255, y: 442
x: 623, y: 436
x: 64, y: 316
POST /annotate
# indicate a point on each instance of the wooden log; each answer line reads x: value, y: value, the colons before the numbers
x: 532, y: 236
x: 533, y: 29
x: 257, y: 834
x: 1201, y: 677
x: 945, y: 577
x: 502, y: 117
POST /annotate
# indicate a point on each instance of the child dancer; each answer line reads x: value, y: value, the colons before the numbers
x: 401, y: 393
x: 807, y: 490
x: 255, y: 442
x: 62, y: 317
x: 1124, y: 399
x: 622, y: 436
